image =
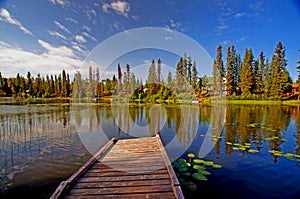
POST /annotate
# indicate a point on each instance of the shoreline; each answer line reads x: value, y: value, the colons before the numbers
x: 205, y: 101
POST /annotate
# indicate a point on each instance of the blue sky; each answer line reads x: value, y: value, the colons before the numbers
x: 46, y: 36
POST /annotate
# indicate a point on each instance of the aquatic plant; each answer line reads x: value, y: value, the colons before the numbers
x: 189, y: 173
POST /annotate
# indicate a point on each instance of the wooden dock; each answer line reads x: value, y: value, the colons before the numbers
x: 131, y: 168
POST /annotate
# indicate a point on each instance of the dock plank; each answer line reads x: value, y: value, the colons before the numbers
x: 130, y: 168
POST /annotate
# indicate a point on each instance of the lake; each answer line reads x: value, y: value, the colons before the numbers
x: 258, y: 147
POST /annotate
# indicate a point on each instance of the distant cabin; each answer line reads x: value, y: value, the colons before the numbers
x: 295, y: 89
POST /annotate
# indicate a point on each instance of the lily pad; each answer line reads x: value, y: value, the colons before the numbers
x: 204, y: 172
x: 198, y: 161
x: 229, y: 143
x: 208, y: 163
x: 182, y: 169
x: 247, y: 144
x: 217, y: 166
x: 237, y: 144
x: 188, y: 164
x: 243, y: 148
x: 198, y: 167
x: 235, y: 148
x: 187, y: 174
x: 190, y: 185
x: 253, y: 151
x: 199, y: 176
x: 278, y: 154
x: 251, y: 125
x: 297, y: 156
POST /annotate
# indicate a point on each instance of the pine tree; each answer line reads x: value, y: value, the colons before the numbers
x: 194, y: 76
x: 281, y: 79
x: 267, y: 78
x: 119, y: 78
x: 298, y: 70
x: 158, y: 71
x: 64, y: 84
x: 152, y: 78
x: 229, y: 71
x: 179, y: 77
x: 77, y: 88
x: 1, y: 81
x: 169, y: 80
x: 258, y: 82
x: 218, y: 71
x: 236, y: 72
x: 189, y: 70
x: 246, y: 75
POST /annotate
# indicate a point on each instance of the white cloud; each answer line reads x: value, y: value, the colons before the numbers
x: 76, y: 47
x: 242, y: 39
x: 6, y: 16
x: 240, y: 14
x: 62, y: 3
x: 119, y: 7
x: 51, y: 61
x: 115, y: 26
x: 80, y: 39
x: 226, y: 42
x: 61, y: 50
x: 105, y: 7
x: 62, y: 27
x: 71, y: 20
x: 86, y: 28
x: 222, y: 27
x: 89, y: 36
x: 56, y: 34
x: 174, y: 24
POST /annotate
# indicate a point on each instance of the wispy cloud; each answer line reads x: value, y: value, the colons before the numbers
x: 226, y: 42
x: 71, y: 20
x: 61, y: 50
x: 119, y: 7
x: 52, y: 60
x: 62, y: 27
x: 174, y: 24
x: 88, y: 29
x: 222, y: 27
x: 62, y: 3
x: 7, y: 17
x: 115, y: 26
x: 76, y: 47
x: 89, y: 36
x: 239, y: 15
x: 80, y: 39
x: 242, y: 39
x: 56, y: 34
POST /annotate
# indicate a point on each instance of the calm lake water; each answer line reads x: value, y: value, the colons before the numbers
x: 257, y: 146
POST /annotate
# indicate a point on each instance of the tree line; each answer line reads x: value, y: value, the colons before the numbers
x: 247, y: 77
x: 39, y: 86
x: 258, y: 78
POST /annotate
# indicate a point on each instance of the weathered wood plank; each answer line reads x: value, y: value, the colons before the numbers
x: 176, y: 185
x: 124, y: 178
x: 123, y: 183
x: 165, y: 195
x: 112, y: 174
x: 123, y: 190
x: 132, y: 168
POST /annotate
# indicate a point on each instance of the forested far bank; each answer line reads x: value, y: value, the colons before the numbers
x: 237, y: 77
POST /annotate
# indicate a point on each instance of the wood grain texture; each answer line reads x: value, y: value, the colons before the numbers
x: 130, y: 168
